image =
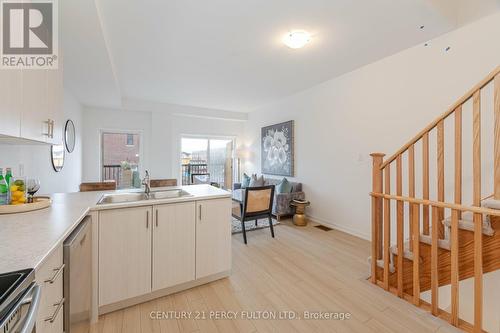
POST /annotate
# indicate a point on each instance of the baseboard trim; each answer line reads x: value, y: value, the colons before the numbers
x: 339, y: 227
x: 161, y: 293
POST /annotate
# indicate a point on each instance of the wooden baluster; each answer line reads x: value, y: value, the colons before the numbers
x: 376, y: 213
x: 478, y: 218
x: 416, y: 254
x: 497, y: 138
x: 440, y: 173
x: 425, y: 182
x: 387, y: 226
x: 400, y: 225
x: 434, y: 262
x: 411, y: 187
x: 455, y: 216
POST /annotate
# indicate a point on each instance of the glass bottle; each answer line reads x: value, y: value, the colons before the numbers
x: 4, y: 190
x: 17, y: 191
x: 8, y: 176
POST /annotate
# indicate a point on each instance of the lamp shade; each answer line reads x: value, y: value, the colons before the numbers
x: 241, y: 153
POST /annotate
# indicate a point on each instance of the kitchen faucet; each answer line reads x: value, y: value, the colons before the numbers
x: 146, y: 183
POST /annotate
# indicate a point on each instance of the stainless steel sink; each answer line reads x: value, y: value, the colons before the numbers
x: 122, y: 197
x: 140, y: 196
x: 169, y: 194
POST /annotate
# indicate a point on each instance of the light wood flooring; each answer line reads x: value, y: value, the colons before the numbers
x: 302, y: 269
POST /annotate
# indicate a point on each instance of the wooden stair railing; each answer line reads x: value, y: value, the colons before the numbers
x: 427, y: 215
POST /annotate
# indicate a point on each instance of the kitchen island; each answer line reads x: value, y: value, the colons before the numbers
x: 140, y: 249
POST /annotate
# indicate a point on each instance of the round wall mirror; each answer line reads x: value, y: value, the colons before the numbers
x: 69, y: 136
x: 57, y: 154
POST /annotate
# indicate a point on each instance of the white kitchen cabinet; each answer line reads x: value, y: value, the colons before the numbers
x: 31, y: 104
x: 10, y: 102
x: 35, y: 119
x: 49, y: 276
x: 213, y: 237
x: 124, y: 253
x: 173, y: 244
x: 55, y: 111
x: 155, y: 250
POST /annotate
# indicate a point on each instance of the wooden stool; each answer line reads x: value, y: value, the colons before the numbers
x: 299, y: 219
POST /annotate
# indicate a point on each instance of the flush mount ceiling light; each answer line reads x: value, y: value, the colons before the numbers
x: 296, y: 39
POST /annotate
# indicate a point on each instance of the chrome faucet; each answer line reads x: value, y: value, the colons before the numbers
x: 146, y: 183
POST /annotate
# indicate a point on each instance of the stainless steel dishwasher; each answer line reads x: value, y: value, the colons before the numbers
x: 77, y: 278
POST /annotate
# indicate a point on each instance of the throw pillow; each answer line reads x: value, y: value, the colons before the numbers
x: 284, y: 186
x: 246, y: 181
x: 257, y: 181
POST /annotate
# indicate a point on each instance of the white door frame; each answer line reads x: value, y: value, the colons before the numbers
x: 201, y: 136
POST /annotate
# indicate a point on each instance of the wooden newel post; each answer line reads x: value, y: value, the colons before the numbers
x: 377, y: 181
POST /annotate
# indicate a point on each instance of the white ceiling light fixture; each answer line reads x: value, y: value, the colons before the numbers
x: 297, y: 39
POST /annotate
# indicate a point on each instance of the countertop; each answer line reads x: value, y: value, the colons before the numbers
x: 27, y: 238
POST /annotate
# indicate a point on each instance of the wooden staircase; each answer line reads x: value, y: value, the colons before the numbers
x: 438, y: 251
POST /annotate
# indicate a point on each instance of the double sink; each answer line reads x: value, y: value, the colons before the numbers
x: 140, y: 196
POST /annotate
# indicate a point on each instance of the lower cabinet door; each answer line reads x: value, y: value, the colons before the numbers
x: 213, y: 237
x: 173, y: 244
x: 124, y: 253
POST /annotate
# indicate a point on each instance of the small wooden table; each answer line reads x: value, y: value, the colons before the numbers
x: 299, y: 219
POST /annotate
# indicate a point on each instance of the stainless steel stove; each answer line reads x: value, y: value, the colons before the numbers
x: 19, y: 301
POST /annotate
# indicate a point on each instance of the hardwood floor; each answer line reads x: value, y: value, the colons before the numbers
x: 302, y: 269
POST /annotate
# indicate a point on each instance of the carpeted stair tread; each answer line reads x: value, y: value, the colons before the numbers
x: 407, y: 253
x: 467, y: 223
x: 380, y: 264
x: 491, y: 203
x: 442, y: 243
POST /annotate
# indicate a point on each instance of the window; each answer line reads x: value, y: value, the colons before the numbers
x: 207, y: 160
x: 121, y: 159
x: 130, y: 140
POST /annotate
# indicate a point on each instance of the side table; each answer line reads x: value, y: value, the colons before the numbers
x: 299, y: 219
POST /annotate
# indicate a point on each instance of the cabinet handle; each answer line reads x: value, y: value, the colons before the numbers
x: 156, y: 217
x: 147, y: 219
x: 48, y: 122
x: 52, y: 122
x: 56, y: 275
x: 199, y: 213
x: 59, y: 305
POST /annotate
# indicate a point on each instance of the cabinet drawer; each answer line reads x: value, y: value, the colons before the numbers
x: 49, y: 277
x: 54, y: 325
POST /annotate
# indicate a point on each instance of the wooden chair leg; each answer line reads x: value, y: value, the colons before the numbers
x: 271, y: 225
x: 243, y: 229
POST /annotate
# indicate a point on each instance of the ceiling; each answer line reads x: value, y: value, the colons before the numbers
x: 228, y: 55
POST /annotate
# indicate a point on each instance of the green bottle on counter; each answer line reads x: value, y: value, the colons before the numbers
x: 4, y: 190
x: 8, y: 175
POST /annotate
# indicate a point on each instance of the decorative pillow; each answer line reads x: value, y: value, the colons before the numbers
x: 257, y: 181
x: 246, y: 181
x: 284, y: 186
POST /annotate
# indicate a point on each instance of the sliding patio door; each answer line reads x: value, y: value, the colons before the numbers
x: 205, y: 159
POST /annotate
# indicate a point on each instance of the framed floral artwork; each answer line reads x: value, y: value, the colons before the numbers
x: 277, y: 149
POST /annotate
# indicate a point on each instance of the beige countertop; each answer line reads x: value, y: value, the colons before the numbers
x: 27, y: 238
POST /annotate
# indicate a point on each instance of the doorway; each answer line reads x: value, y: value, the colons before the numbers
x: 207, y: 160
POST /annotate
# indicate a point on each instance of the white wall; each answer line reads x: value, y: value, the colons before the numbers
x: 375, y: 108
x: 36, y: 158
x: 161, y: 130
